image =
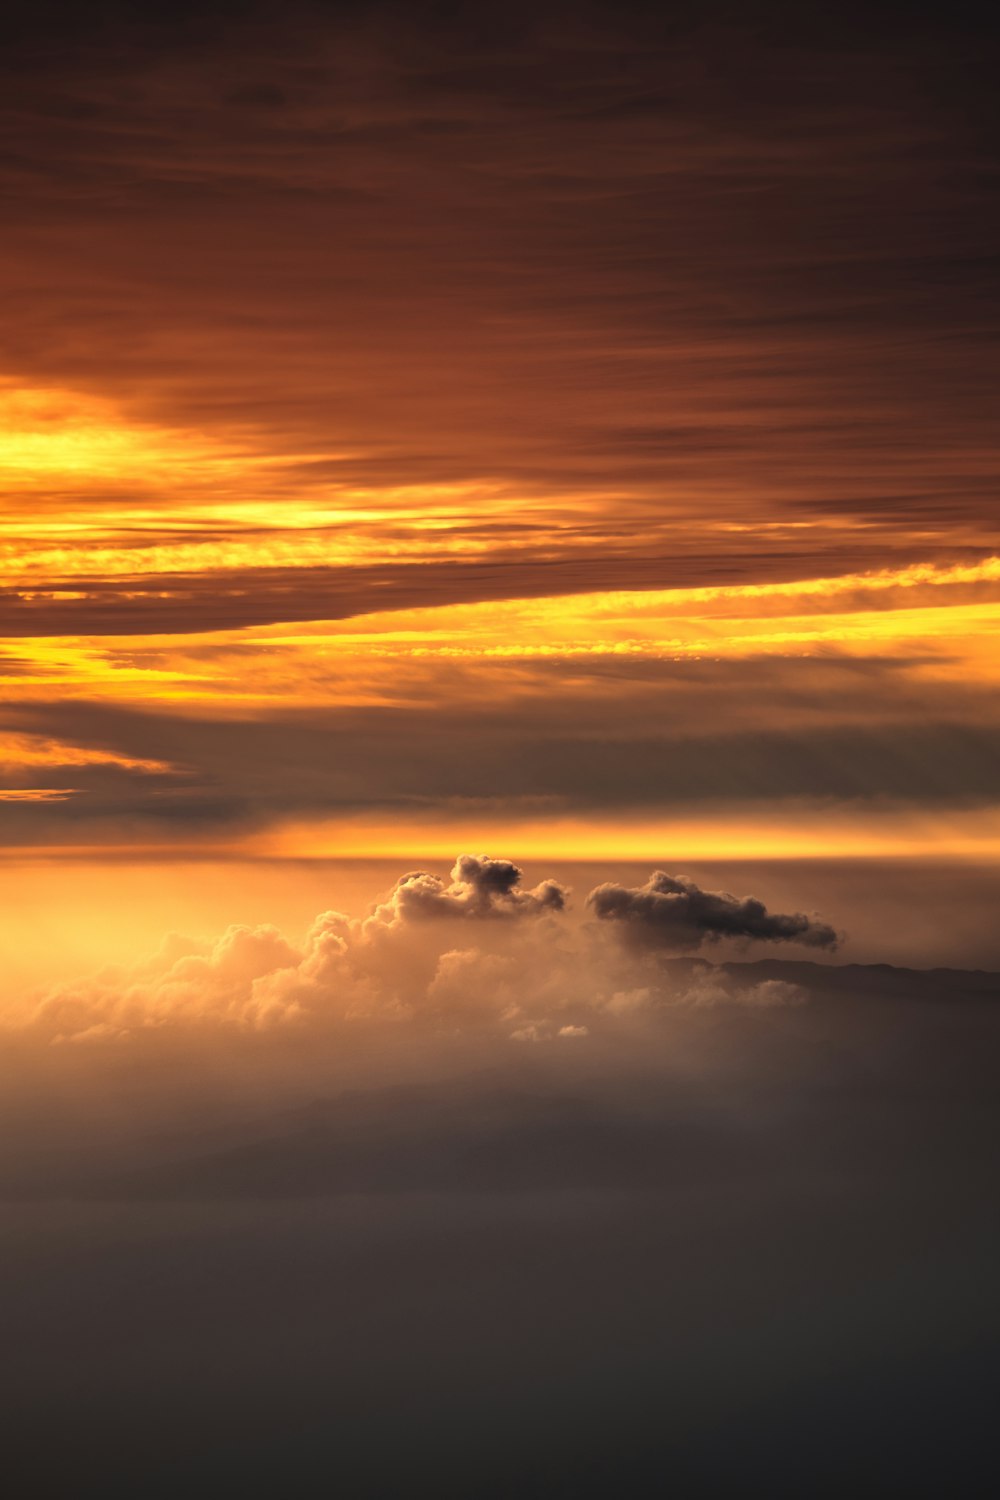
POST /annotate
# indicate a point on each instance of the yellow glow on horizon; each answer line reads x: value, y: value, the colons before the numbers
x: 779, y: 833
x: 782, y: 832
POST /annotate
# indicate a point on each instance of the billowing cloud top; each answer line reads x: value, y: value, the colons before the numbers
x: 670, y: 911
x: 480, y: 887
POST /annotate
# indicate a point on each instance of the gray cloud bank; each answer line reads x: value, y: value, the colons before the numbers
x: 470, y: 1165
x: 681, y: 1206
x: 819, y: 729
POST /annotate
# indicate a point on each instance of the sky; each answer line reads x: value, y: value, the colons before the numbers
x: 579, y: 421
x: 499, y: 744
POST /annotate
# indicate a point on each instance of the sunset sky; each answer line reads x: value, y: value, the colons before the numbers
x: 417, y: 427
x: 499, y: 749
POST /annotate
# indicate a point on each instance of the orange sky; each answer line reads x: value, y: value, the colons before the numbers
x: 578, y: 435
x: 499, y: 746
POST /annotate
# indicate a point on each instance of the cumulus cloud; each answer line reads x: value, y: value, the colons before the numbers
x: 184, y: 982
x: 480, y: 887
x: 388, y: 964
x: 672, y: 912
x: 520, y: 964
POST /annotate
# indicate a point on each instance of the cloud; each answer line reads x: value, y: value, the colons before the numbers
x: 480, y: 887
x: 534, y: 333
x: 528, y: 1034
x: 522, y: 965
x: 886, y: 740
x: 541, y: 1031
x: 391, y: 964
x: 672, y: 912
x: 186, y: 982
x: 707, y: 986
x: 768, y: 994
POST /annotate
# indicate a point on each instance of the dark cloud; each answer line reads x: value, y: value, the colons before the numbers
x: 627, y: 1257
x: 852, y: 730
x: 672, y: 912
x: 710, y: 1231
x: 640, y: 558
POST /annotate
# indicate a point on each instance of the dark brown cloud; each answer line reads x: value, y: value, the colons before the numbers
x: 219, y: 599
x: 656, y: 737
